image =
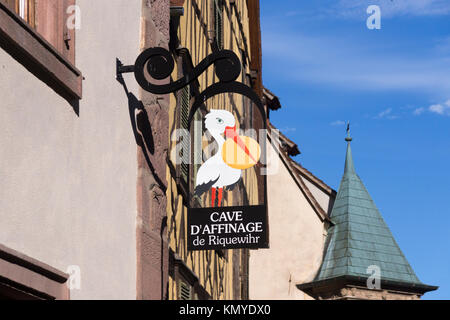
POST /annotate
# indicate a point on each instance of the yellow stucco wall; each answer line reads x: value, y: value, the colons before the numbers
x: 216, y: 273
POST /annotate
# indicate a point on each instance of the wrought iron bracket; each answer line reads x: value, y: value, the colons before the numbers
x: 121, y: 69
x: 157, y: 63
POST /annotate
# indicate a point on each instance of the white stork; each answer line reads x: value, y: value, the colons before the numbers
x: 215, y: 173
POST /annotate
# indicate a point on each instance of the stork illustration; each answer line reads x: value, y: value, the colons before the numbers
x: 224, y: 169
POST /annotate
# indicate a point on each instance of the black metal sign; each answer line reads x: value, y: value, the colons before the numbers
x: 237, y: 164
x: 227, y: 228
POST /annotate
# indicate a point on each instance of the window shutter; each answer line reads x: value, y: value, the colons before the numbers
x: 51, y: 23
x: 24, y: 8
x: 68, y: 38
x: 218, y: 18
x: 184, y: 291
x: 184, y: 124
x: 31, y: 13
x: 197, y: 143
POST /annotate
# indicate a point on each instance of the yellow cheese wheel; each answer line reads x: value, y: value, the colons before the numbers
x: 236, y: 157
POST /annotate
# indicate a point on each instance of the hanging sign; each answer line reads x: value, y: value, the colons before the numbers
x: 227, y: 228
x: 223, y: 151
x: 228, y: 185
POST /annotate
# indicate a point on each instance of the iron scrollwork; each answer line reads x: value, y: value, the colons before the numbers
x: 159, y: 64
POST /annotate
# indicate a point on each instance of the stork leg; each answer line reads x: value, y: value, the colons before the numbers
x: 219, y: 199
x: 213, y: 197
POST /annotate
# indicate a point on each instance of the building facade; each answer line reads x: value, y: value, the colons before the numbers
x: 68, y: 156
x: 94, y: 190
x: 91, y: 199
x: 199, y: 28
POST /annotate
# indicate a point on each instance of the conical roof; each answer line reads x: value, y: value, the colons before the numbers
x: 360, y: 237
x: 359, y: 242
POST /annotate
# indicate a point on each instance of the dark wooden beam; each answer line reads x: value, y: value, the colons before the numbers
x: 37, y: 55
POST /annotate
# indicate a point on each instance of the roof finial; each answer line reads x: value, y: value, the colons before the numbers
x: 348, y: 138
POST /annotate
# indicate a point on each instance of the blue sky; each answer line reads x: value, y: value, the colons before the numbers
x: 393, y: 84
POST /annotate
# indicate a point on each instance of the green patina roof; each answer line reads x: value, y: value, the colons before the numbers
x: 360, y: 238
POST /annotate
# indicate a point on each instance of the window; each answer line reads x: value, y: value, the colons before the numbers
x: 24, y: 8
x: 49, y: 19
x: 218, y: 22
x: 51, y: 23
x: 36, y: 34
x: 187, y: 284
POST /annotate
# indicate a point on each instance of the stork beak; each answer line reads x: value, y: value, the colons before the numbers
x: 230, y: 132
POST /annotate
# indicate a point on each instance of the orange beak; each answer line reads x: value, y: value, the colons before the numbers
x: 230, y: 132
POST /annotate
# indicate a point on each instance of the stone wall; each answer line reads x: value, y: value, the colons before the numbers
x: 152, y: 122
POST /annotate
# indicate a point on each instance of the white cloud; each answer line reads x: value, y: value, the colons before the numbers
x: 386, y: 114
x: 337, y: 123
x: 437, y: 108
x: 393, y: 8
x: 356, y: 9
x: 343, y: 63
x: 419, y: 111
x: 288, y: 129
x: 442, y: 109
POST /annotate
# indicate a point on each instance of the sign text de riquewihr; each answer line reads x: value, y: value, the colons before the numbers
x: 227, y: 228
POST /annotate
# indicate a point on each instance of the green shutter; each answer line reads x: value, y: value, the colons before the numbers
x: 184, y: 291
x: 218, y: 19
x: 184, y: 124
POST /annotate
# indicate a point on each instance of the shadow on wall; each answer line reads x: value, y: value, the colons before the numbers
x: 144, y: 139
x: 141, y: 129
